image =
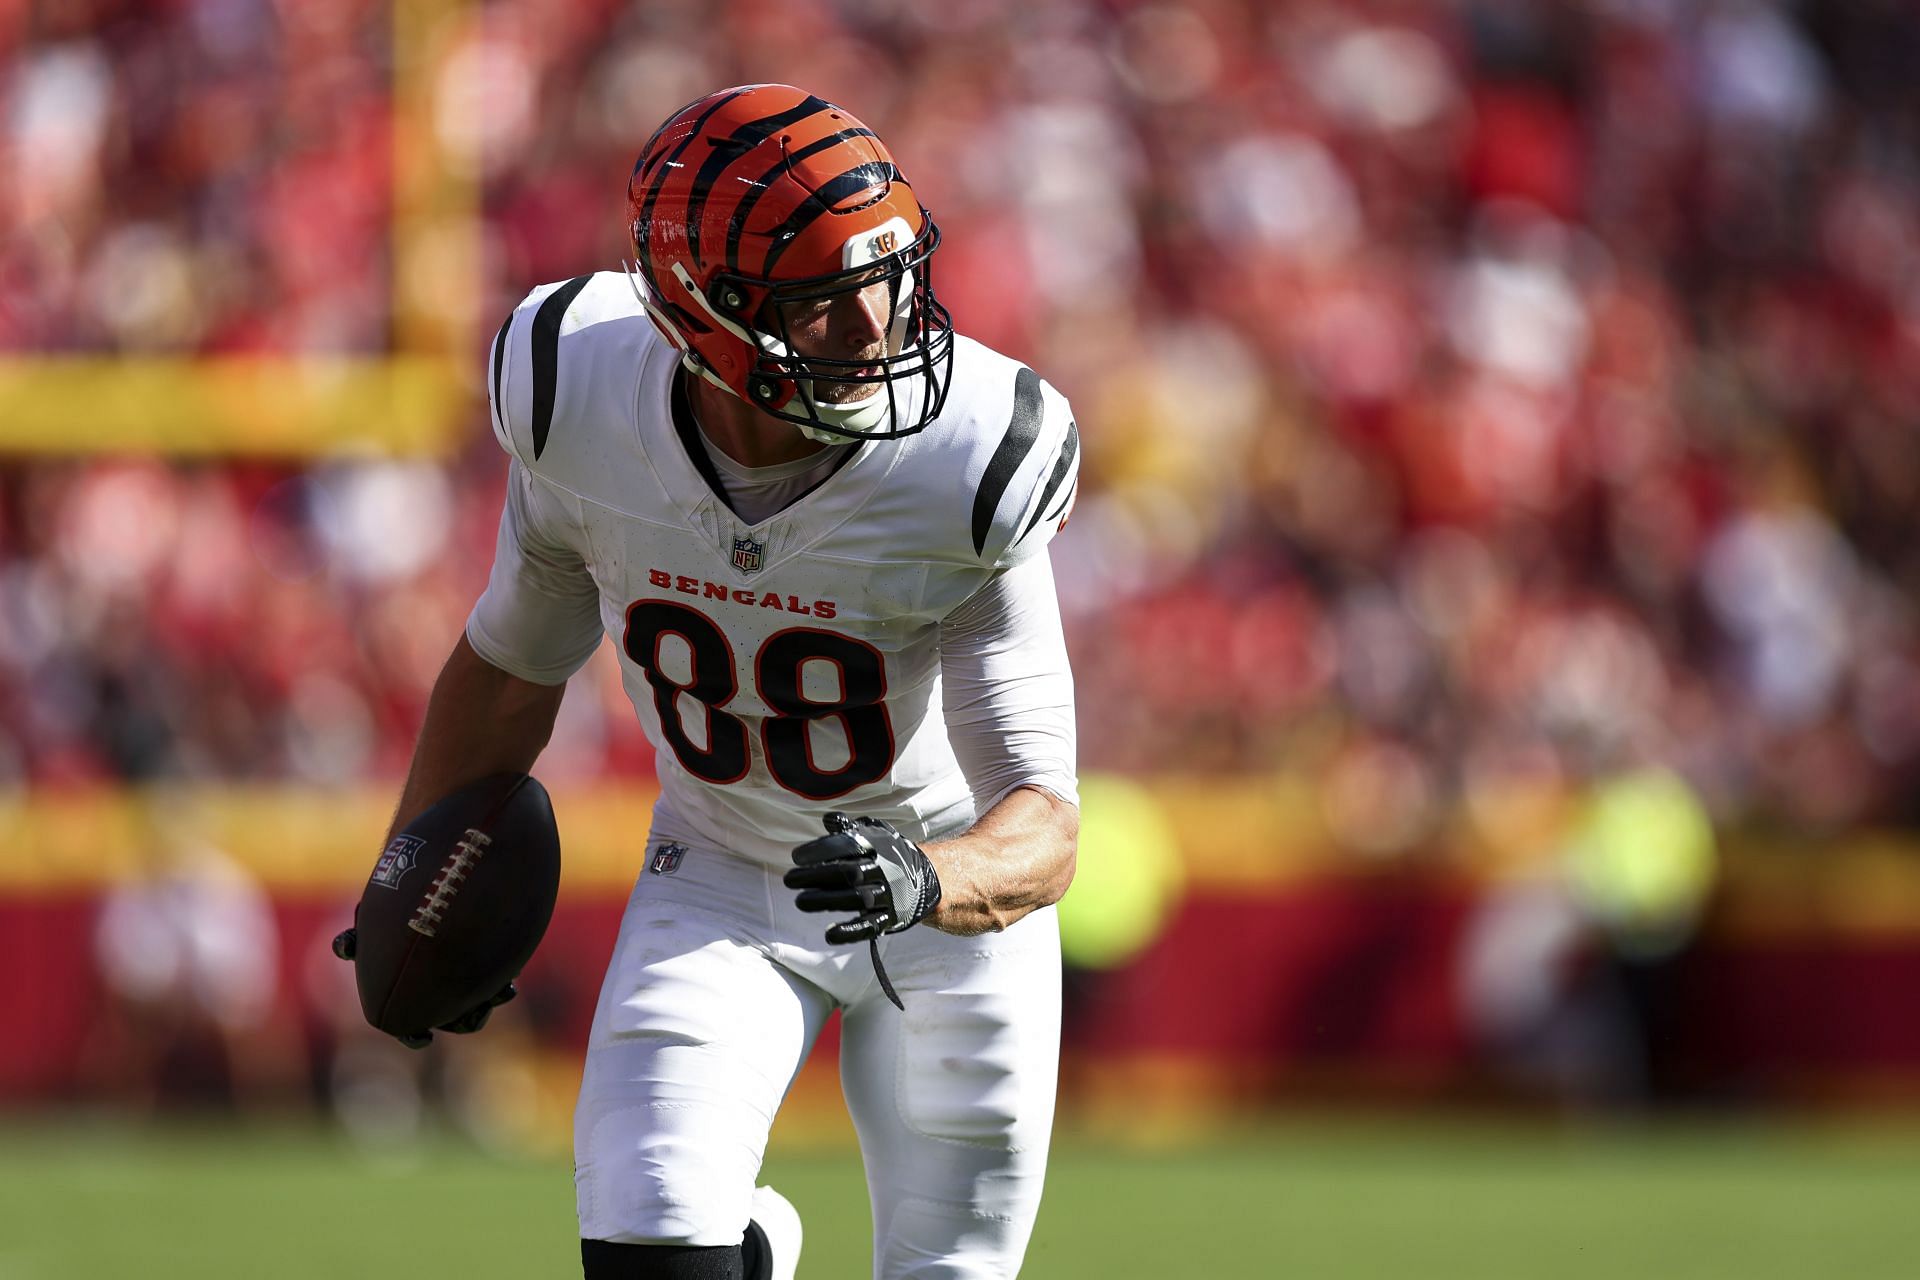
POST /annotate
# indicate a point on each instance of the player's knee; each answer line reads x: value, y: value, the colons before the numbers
x: 609, y: 1260
x: 637, y: 1184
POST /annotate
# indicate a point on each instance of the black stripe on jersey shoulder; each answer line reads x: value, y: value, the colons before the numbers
x: 1066, y: 501
x: 546, y: 356
x: 1022, y: 430
x: 499, y: 356
x: 1060, y: 467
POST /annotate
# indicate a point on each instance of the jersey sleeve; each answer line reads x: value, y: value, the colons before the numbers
x: 539, y: 617
x: 1023, y: 496
x: 1006, y: 688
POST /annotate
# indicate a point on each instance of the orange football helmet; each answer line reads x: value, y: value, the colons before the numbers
x: 762, y: 196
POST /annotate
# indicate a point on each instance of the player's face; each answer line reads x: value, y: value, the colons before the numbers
x: 850, y: 326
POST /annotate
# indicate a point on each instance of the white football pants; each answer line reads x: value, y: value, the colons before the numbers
x: 716, y: 991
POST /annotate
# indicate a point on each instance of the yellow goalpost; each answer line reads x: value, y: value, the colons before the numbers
x: 409, y: 400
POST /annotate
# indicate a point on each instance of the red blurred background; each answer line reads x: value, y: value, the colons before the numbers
x: 1494, y: 577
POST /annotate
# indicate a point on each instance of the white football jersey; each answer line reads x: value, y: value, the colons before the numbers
x: 782, y: 669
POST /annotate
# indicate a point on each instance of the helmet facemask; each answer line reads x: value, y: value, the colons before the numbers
x: 869, y: 396
x: 751, y: 245
x: 908, y: 379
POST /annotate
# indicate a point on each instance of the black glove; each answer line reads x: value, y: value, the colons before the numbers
x: 864, y: 866
x: 467, y: 1023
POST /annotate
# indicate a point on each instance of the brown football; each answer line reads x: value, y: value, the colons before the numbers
x: 456, y: 904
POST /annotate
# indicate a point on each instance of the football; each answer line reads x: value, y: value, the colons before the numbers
x: 456, y: 904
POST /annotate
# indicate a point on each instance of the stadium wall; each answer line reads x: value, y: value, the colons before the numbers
x: 1285, y: 966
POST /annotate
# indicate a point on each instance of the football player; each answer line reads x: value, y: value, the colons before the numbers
x: 812, y: 519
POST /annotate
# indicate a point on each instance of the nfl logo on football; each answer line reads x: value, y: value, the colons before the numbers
x: 746, y: 554
x: 667, y: 859
x: 397, y: 859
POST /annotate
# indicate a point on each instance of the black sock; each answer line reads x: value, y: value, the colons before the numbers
x: 604, y: 1260
x: 756, y: 1255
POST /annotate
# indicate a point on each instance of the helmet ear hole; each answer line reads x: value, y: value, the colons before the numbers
x: 686, y: 319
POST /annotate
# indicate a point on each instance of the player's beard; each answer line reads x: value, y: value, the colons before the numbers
x: 826, y: 391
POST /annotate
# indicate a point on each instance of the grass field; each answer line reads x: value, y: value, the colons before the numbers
x: 1286, y: 1199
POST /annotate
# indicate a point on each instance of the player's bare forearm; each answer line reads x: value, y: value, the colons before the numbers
x: 1018, y: 858
x: 480, y: 720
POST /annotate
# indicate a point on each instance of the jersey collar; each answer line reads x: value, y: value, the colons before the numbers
x: 687, y: 477
x: 687, y: 428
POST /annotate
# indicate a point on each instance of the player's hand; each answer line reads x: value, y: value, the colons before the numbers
x: 344, y: 944
x: 864, y: 866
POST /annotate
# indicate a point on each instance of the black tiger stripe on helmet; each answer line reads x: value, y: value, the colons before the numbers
x: 763, y: 193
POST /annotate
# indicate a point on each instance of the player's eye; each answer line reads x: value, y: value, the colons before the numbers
x: 875, y: 286
x: 802, y: 313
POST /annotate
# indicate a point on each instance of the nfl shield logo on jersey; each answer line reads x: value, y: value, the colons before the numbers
x: 667, y: 859
x: 746, y: 554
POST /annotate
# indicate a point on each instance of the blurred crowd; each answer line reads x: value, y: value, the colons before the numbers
x: 1478, y: 397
